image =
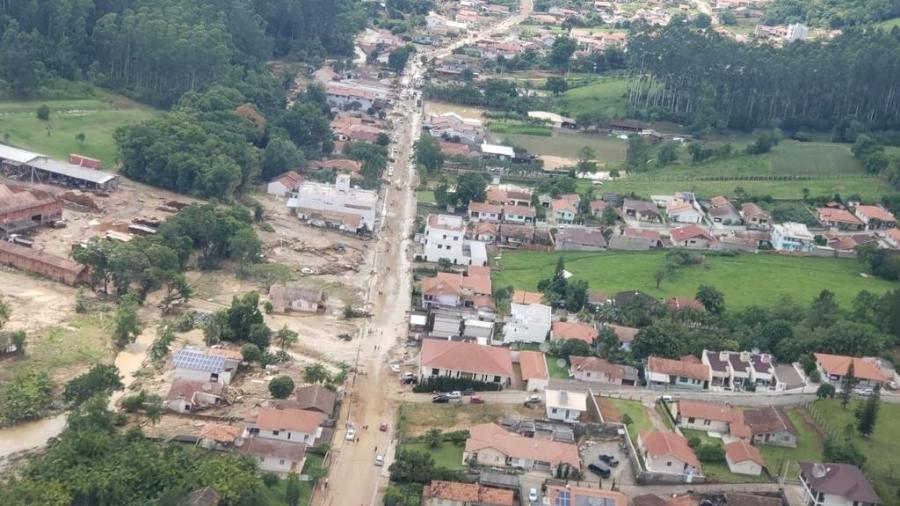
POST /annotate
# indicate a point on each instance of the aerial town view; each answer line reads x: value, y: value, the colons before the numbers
x: 449, y: 252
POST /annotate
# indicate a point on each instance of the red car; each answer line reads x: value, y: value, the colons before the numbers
x: 476, y: 399
x: 383, y: 427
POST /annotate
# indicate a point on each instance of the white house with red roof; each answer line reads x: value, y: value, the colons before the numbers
x: 284, y: 184
x: 875, y: 217
x: 456, y: 359
x: 866, y: 371
x: 491, y: 445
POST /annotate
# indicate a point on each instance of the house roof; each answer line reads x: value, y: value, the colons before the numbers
x: 597, y: 297
x: 665, y: 444
x: 641, y: 206
x: 478, y: 279
x: 746, y: 499
x: 767, y: 420
x: 446, y: 222
x: 876, y: 212
x: 528, y: 212
x: 832, y: 215
x: 467, y: 357
x: 690, y: 232
x: 651, y: 235
x: 467, y: 493
x: 523, y: 297
x: 285, y: 294
x: 838, y: 365
x: 740, y: 451
x: 316, y: 397
x: 536, y: 314
x: 299, y: 420
x: 290, y: 179
x: 444, y: 283
x: 272, y: 448
x: 594, y: 364
x: 484, y: 207
x: 497, y: 149
x: 894, y: 234
x: 185, y: 389
x: 73, y: 171
x: 221, y: 433
x: 198, y: 360
x: 520, y: 232
x: 584, y: 496
x: 486, y: 227
x: 582, y: 236
x: 682, y: 368
x: 677, y: 206
x: 454, y: 148
x: 751, y: 209
x: 491, y: 435
x: 206, y: 496
x: 566, y: 399
x: 17, y: 155
x: 598, y: 205
x: 533, y: 365
x: 679, y: 303
x: 574, y: 330
x: 563, y: 205
x: 705, y: 410
x: 843, y: 480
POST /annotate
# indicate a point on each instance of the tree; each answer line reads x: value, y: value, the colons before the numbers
x: 126, y: 324
x: 433, y: 437
x: 281, y: 387
x: 570, y: 347
x: 26, y: 396
x: 824, y: 310
x: 5, y: 313
x: 428, y: 153
x: 847, y: 384
x: 308, y: 127
x: 21, y: 66
x: 556, y: 85
x: 315, y: 373
x: 763, y: 144
x: 292, y: 490
x: 279, y: 156
x: 43, y: 112
x: 702, y: 20
x: 100, y: 379
x: 270, y: 274
x: 471, y: 186
x: 667, y: 154
x: 712, y: 299
x: 398, y: 58
x: 869, y: 415
x: 244, y: 247
x: 286, y: 337
x: 637, y: 154
x: 251, y: 353
x: 80, y: 137
x: 825, y: 391
x: 609, y: 217
x: 562, y: 50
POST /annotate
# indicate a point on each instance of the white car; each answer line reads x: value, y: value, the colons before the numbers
x: 456, y: 394
x: 379, y: 460
x: 351, y: 434
x: 532, y: 495
x: 395, y: 368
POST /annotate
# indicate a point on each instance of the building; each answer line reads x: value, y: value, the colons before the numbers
x: 683, y: 373
x: 493, y: 446
x: 571, y: 495
x: 274, y: 455
x: 43, y: 264
x: 580, y: 239
x: 738, y: 371
x: 598, y: 370
x: 565, y: 406
x: 189, y: 396
x: 754, y: 216
x: 23, y: 209
x: 524, y: 297
x: 484, y: 211
x: 625, y: 334
x: 509, y: 196
x: 445, y: 239
x: 324, y: 204
x: 875, y: 217
x: 451, y: 493
x: 527, y: 323
x: 465, y: 360
x: 315, y: 398
x: 553, y: 119
x: 641, y: 210
x: 284, y: 184
x: 768, y: 425
x: 197, y: 365
x: 562, y: 211
x: 668, y: 453
x: 534, y: 370
x: 834, y: 368
x: 743, y: 458
x: 206, y: 496
x: 450, y: 125
x: 340, y: 94
x: 519, y: 214
x: 836, y: 484
x: 497, y: 151
x: 561, y: 330
x: 684, y: 303
x: 37, y: 168
x: 684, y: 211
x: 692, y: 237
x: 486, y: 232
x: 793, y: 237
x: 705, y: 416
x: 892, y: 237
x: 291, y: 298
x: 444, y: 289
x: 797, y: 31
x: 840, y: 219
x: 288, y: 424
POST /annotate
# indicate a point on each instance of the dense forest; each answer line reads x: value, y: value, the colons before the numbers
x: 830, y: 13
x: 709, y: 81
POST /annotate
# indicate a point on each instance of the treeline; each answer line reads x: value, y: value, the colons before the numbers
x: 156, y: 50
x: 830, y: 13
x: 709, y: 81
x: 495, y: 94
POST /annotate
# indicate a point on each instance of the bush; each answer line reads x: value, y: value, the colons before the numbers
x: 43, y: 112
x: 320, y: 449
x: 251, y: 353
x: 281, y: 387
x: 184, y: 323
x: 270, y: 479
x: 447, y: 384
x: 825, y: 391
x: 815, y: 376
x: 710, y: 453
x: 694, y: 442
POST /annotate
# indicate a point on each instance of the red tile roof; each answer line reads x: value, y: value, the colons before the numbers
x: 679, y: 303
x: 625, y: 334
x: 478, y: 279
x: 483, y: 207
x: 533, y: 365
x: 831, y: 215
x: 684, y: 368
x: 665, y: 444
x: 690, y: 232
x: 705, y: 410
x: 491, y: 435
x: 876, y: 212
x: 839, y: 364
x: 467, y: 357
x: 740, y: 450
x: 288, y: 419
x: 467, y: 493
x: 444, y: 283
x: 523, y: 297
x: 570, y: 330
x: 594, y: 364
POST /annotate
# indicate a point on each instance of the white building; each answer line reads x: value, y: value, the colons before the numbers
x: 323, y: 201
x: 292, y: 425
x: 527, y: 323
x: 797, y: 31
x: 197, y: 365
x: 273, y: 455
x: 743, y: 458
x: 792, y: 236
x: 497, y: 151
x: 284, y: 184
x: 684, y: 211
x: 565, y: 406
x: 445, y: 238
x: 836, y: 485
x: 669, y: 453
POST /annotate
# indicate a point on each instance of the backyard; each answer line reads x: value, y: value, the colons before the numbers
x: 718, y: 472
x: 97, y: 118
x: 448, y: 454
x: 614, y: 410
x: 782, y: 460
x: 745, y: 279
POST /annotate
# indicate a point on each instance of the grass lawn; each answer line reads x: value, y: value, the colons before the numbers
x: 745, y: 279
x: 610, y: 150
x: 809, y: 446
x: 718, y: 471
x: 605, y: 96
x: 447, y: 455
x: 557, y: 371
x: 666, y: 418
x: 882, y: 448
x: 277, y: 495
x: 888, y: 24
x: 638, y: 414
x: 506, y: 127
x: 425, y: 197
x: 98, y: 118
x: 867, y: 188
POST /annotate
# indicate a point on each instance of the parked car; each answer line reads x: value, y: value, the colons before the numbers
x: 379, y: 460
x: 609, y: 460
x: 476, y: 399
x: 533, y: 399
x: 599, y: 469
x: 469, y: 391
x: 864, y: 391
x: 440, y: 399
x: 351, y: 434
x: 395, y: 368
x: 532, y: 495
x: 456, y: 394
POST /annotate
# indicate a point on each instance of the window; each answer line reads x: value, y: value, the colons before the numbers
x: 691, y: 420
x: 274, y: 432
x: 289, y: 435
x: 706, y: 422
x: 496, y: 379
x: 435, y: 371
x: 553, y: 410
x: 281, y: 462
x: 668, y: 463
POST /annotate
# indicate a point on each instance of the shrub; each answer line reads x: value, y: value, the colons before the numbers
x: 251, y: 353
x: 270, y: 479
x: 43, y: 112
x: 815, y: 376
x: 446, y: 384
x: 710, y: 453
x: 694, y: 442
x: 281, y: 387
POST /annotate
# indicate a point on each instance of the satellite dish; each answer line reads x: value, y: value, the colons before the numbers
x: 561, y: 362
x: 544, y: 347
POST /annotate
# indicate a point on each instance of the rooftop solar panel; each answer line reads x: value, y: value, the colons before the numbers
x: 198, y: 361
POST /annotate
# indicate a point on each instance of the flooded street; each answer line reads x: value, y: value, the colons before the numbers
x: 30, y: 435
x: 129, y: 360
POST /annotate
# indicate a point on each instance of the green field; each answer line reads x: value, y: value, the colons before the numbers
x: 640, y: 420
x: 610, y: 150
x: 557, y: 371
x: 425, y: 197
x: 605, y: 96
x: 718, y: 472
x: 506, y: 127
x: 869, y: 189
x: 745, y: 279
x: 97, y: 118
x: 783, y: 461
x: 888, y: 24
x: 789, y: 158
x: 447, y: 455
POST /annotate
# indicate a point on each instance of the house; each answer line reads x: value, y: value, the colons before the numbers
x: 553, y: 119
x: 287, y: 424
x: 597, y: 299
x: 274, y: 455
x: 768, y: 425
x: 598, y: 207
x: 451, y: 493
x: 518, y: 214
x: 598, y: 370
x: 683, y: 211
x: 197, y: 365
x: 754, y: 216
x: 705, y: 416
x: 740, y: 370
x: 683, y: 373
x: 346, y: 166
x: 509, y: 196
x: 455, y: 149
x: 445, y: 239
x: 866, y: 371
x: 841, y: 219
x: 562, y: 211
x: 793, y: 237
x: 641, y: 210
x: 565, y: 406
x: 527, y: 323
x: 651, y: 236
x: 43, y: 264
x: 533, y: 366
x: 497, y: 151
x: 684, y: 303
x: 669, y: 453
x: 743, y: 458
x: 206, y: 496
x: 838, y: 484
x: 875, y: 217
x: 523, y: 297
x: 484, y: 211
x: 290, y: 298
x: 465, y: 360
x: 341, y: 94
x: 493, y: 446
x: 516, y: 235
x: 571, y: 495
x: 316, y: 398
x: 313, y: 201
x: 625, y: 334
x: 190, y: 396
x: 561, y: 330
x: 486, y: 232
x: 444, y: 289
x: 284, y: 184
x: 692, y: 237
x: 580, y: 239
x: 721, y: 210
